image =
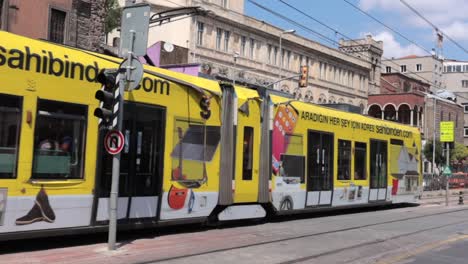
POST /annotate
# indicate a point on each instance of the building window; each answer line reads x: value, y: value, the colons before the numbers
x: 224, y: 3
x: 227, y: 34
x: 282, y: 58
x: 360, y: 155
x: 219, y: 34
x: 247, y: 161
x: 201, y: 28
x: 275, y: 58
x: 418, y: 67
x: 388, y: 69
x: 269, y: 53
x: 243, y: 42
x: 293, y: 161
x: 288, y: 59
x: 465, y: 131
x: 465, y: 83
x: 252, y: 48
x: 465, y: 108
x: 344, y: 159
x: 403, y: 68
x: 10, y: 123
x: 59, y: 140
x: 57, y: 26
x: 301, y: 58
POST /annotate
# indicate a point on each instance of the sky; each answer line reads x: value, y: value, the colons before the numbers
x: 449, y: 16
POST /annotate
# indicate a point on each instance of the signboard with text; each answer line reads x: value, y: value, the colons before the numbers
x: 447, y: 131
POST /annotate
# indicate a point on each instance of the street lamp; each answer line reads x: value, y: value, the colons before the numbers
x: 289, y: 31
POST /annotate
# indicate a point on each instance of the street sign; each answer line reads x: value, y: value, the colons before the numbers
x: 447, y: 131
x: 134, y: 30
x: 134, y: 73
x: 114, y: 142
x: 447, y: 171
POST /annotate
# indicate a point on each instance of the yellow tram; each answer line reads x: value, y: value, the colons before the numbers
x: 258, y: 153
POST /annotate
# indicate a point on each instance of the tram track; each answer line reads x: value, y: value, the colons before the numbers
x: 273, y: 241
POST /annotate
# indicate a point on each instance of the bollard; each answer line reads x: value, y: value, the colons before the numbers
x: 460, y: 198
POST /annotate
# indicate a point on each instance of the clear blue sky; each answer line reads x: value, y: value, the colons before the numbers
x: 451, y: 16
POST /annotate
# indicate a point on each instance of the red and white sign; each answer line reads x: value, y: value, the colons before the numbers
x: 114, y: 142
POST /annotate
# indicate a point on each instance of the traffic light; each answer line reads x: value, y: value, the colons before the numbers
x: 304, y: 76
x: 108, y: 97
x: 205, y: 102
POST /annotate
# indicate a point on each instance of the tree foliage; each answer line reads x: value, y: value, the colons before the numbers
x: 113, y: 13
x: 439, y: 159
x: 457, y: 154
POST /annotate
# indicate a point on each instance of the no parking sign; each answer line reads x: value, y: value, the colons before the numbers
x: 114, y: 142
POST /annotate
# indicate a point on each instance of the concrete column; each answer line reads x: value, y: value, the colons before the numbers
x: 411, y: 117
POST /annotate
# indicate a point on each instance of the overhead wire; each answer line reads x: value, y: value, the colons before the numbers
x: 432, y: 24
x: 337, y: 31
x: 392, y: 29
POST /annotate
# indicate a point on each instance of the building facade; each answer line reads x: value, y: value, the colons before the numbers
x: 456, y: 78
x: 230, y: 44
x: 77, y: 23
x: 407, y: 100
x: 428, y: 69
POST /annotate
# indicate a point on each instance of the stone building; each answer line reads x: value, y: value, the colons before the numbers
x: 407, y: 100
x: 228, y: 43
x: 77, y: 23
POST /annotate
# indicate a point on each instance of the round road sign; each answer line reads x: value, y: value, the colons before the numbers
x: 114, y: 142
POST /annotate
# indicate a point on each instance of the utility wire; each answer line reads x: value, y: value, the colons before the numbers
x: 388, y: 27
x: 338, y: 32
x: 294, y: 22
x: 434, y: 26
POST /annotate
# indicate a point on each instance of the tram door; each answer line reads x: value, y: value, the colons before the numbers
x: 319, y: 169
x: 245, y: 184
x: 378, y: 170
x: 140, y: 165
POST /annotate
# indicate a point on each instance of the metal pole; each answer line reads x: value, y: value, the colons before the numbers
x: 433, y: 144
x: 447, y: 176
x: 114, y: 193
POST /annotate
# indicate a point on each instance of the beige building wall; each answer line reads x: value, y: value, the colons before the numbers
x: 430, y: 69
x: 456, y: 79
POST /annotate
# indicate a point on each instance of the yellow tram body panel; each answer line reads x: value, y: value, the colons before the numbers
x: 248, y: 146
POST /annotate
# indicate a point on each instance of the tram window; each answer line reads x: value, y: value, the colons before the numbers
x: 294, y: 148
x: 360, y: 161
x: 10, y: 121
x: 247, y: 153
x: 344, y: 160
x: 292, y: 168
x: 59, y: 139
x: 194, y: 144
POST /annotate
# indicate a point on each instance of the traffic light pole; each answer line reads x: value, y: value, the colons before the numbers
x: 114, y: 193
x: 283, y: 79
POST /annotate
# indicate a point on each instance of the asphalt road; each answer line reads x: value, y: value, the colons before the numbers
x: 398, y: 235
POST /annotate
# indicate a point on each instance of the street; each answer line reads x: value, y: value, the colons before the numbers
x: 392, y: 235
